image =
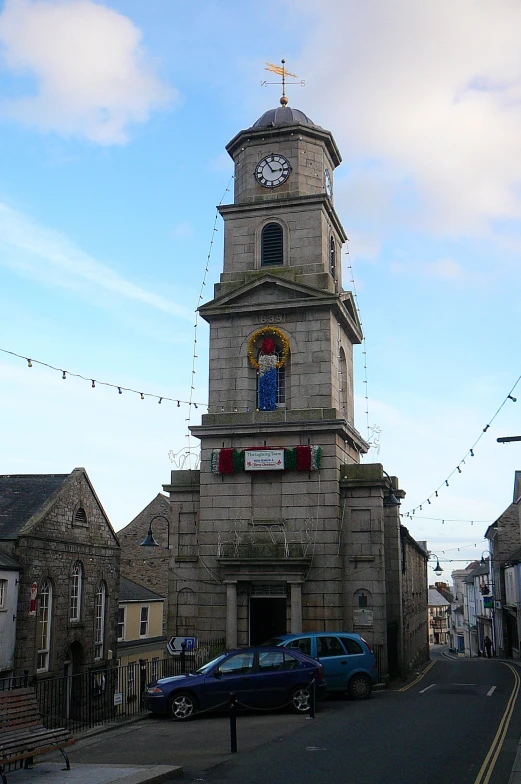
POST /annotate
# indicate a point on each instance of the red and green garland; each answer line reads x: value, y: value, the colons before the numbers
x: 298, y: 458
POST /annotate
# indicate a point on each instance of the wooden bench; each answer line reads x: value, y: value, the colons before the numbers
x: 22, y: 733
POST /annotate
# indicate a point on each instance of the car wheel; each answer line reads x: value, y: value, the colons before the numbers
x: 360, y: 687
x: 300, y: 699
x: 182, y: 706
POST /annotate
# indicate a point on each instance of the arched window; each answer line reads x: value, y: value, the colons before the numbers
x: 332, y: 259
x: 44, y: 626
x: 272, y: 245
x: 342, y: 382
x: 75, y: 596
x: 80, y: 517
x: 99, y: 621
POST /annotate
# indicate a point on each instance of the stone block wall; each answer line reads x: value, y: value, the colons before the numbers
x: 148, y: 566
x: 49, y: 550
x: 415, y: 603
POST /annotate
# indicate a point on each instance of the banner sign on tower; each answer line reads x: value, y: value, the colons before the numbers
x: 264, y: 459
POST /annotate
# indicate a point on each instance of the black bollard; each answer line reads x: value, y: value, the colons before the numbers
x: 233, y: 723
x: 183, y: 657
x: 312, y: 697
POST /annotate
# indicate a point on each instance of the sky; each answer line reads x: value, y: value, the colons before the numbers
x: 114, y: 118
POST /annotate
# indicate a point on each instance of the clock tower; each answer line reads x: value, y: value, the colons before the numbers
x: 271, y: 533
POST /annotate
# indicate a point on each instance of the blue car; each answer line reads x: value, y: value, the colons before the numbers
x: 348, y: 660
x: 264, y: 677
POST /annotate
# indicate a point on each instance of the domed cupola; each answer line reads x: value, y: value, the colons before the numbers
x: 283, y: 115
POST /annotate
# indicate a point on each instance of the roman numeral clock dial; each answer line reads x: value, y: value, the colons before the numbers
x: 272, y: 171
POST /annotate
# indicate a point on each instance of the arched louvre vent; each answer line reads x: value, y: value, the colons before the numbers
x: 271, y: 245
x: 80, y: 518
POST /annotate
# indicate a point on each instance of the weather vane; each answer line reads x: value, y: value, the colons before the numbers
x: 282, y: 72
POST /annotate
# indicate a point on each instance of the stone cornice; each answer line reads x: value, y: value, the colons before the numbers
x: 286, y: 203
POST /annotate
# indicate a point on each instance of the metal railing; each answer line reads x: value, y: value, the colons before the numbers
x: 100, y: 696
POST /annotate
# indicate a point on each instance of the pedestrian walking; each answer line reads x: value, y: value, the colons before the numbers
x: 487, y: 643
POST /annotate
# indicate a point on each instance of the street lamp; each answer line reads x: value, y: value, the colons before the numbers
x: 390, y: 499
x: 437, y: 569
x: 149, y: 540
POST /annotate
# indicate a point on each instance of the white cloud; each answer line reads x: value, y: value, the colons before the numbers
x: 93, y: 78
x: 429, y: 94
x: 51, y: 257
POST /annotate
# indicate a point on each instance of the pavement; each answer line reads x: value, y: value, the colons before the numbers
x: 50, y: 769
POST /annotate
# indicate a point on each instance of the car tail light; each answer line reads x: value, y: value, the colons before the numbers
x: 320, y: 674
x: 366, y: 643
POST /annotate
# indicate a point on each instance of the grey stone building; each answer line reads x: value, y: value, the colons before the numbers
x: 148, y: 566
x: 55, y: 529
x: 282, y: 529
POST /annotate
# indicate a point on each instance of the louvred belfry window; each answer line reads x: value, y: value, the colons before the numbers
x: 272, y: 245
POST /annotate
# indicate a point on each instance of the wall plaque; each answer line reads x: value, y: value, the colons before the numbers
x: 362, y: 617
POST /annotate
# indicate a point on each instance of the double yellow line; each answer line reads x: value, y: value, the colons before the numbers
x: 420, y: 676
x: 485, y: 772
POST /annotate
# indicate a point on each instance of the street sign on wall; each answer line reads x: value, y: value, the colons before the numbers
x: 176, y: 645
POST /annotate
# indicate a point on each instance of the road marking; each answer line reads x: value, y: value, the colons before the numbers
x: 427, y: 688
x: 491, y: 691
x: 463, y: 684
x: 487, y: 768
x: 416, y: 680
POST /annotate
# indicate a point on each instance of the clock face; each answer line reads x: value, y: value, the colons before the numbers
x: 328, y: 183
x: 272, y: 171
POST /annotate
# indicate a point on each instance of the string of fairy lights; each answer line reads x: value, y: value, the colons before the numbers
x: 199, y: 301
x: 94, y: 381
x: 371, y: 432
x: 470, y: 453
x: 121, y: 388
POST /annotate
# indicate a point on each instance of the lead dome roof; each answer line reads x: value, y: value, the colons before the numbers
x: 283, y: 115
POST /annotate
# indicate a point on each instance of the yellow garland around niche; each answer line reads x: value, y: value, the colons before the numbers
x: 269, y: 331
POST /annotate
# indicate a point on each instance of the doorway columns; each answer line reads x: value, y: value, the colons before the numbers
x: 296, y: 607
x: 231, y: 613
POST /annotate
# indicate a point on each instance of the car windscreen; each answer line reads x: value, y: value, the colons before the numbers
x: 208, y: 666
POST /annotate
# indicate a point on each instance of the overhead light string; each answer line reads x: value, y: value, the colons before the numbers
x: 470, y: 453
x: 196, y: 319
x: 373, y: 432
x: 94, y: 381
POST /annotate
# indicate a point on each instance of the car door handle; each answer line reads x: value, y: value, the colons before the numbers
x: 344, y: 661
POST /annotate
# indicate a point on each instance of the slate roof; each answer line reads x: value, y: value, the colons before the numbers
x: 21, y: 496
x: 436, y: 599
x: 8, y: 563
x: 129, y: 591
x: 478, y: 571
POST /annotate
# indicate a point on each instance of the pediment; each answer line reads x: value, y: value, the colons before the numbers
x: 268, y: 290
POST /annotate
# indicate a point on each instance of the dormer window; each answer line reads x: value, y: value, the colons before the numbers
x: 272, y: 245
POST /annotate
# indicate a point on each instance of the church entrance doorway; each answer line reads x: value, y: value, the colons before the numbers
x: 267, y: 618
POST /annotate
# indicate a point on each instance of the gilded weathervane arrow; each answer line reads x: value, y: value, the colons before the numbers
x: 281, y: 71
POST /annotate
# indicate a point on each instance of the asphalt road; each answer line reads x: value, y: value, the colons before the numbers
x: 459, y: 724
